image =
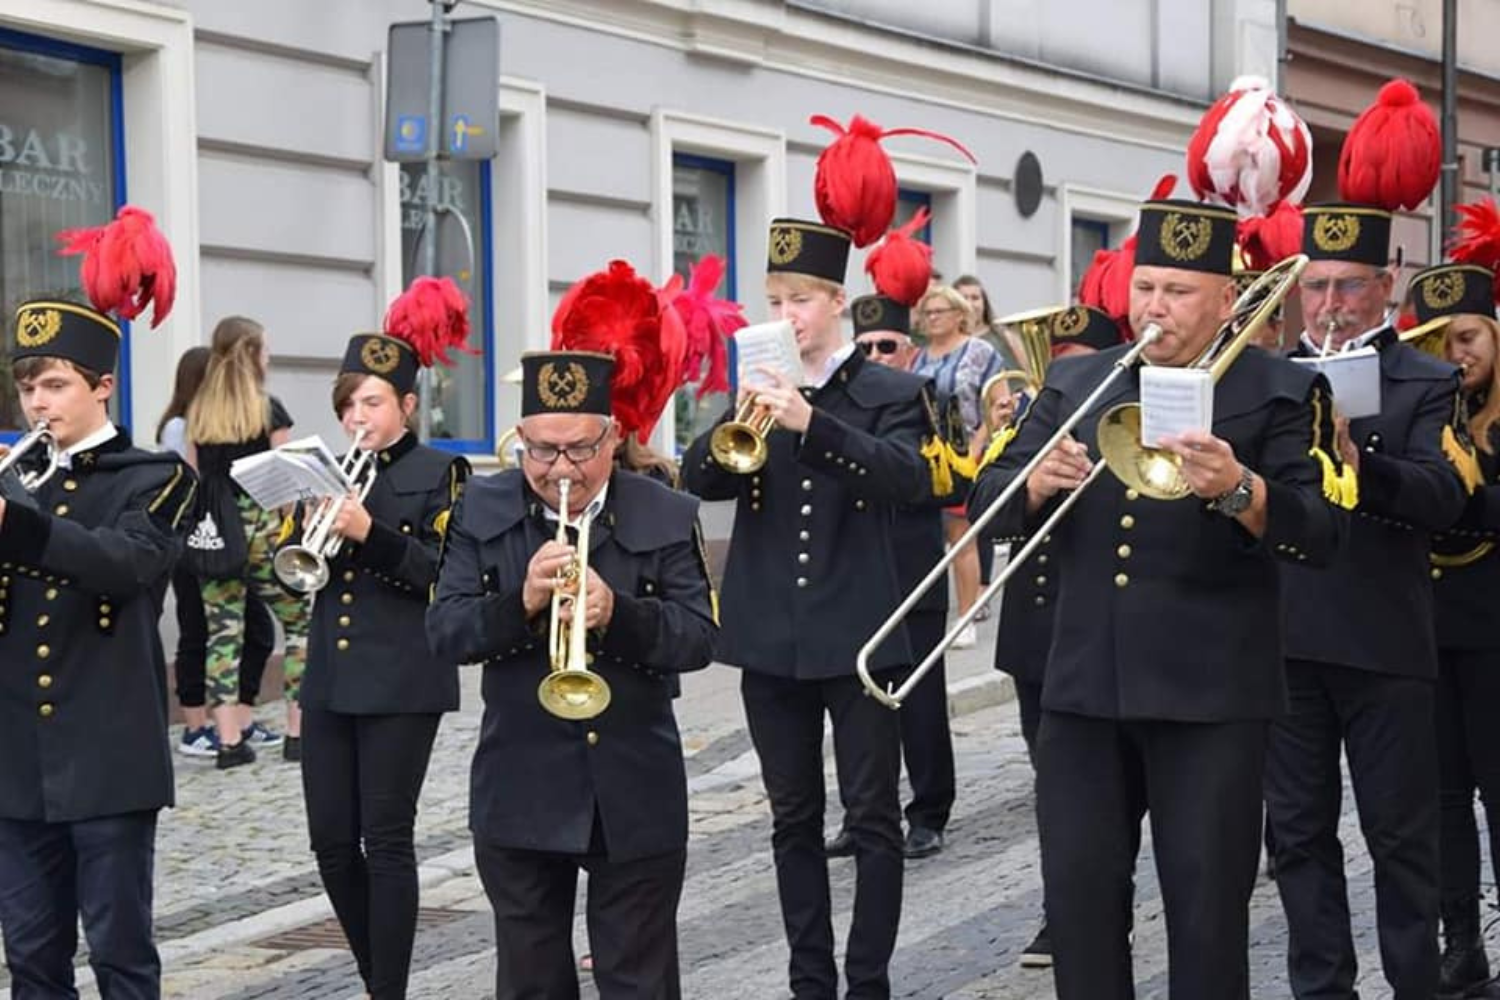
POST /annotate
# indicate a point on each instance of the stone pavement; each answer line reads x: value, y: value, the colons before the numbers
x: 241, y: 914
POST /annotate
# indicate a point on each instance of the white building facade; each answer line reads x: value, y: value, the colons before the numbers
x: 649, y: 130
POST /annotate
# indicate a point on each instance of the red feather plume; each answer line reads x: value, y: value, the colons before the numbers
x: 707, y: 324
x: 901, y: 267
x: 1393, y: 153
x: 855, y: 185
x: 620, y: 313
x: 432, y: 315
x: 1268, y: 240
x: 127, y: 264
x: 1476, y: 238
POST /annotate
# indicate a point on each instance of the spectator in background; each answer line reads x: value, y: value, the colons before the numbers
x: 199, y: 738
x: 985, y: 326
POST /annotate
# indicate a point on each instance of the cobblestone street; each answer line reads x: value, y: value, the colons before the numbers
x: 241, y: 914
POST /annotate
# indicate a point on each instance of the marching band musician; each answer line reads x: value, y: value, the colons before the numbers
x: 1455, y: 306
x: 1027, y: 606
x: 1163, y: 672
x: 882, y: 331
x: 812, y: 570
x: 608, y: 795
x: 84, y: 562
x: 1360, y: 649
x: 373, y: 695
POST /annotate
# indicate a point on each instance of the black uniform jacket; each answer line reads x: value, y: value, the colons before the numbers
x: 1466, y: 565
x: 1027, y: 605
x: 1166, y: 609
x: 812, y: 571
x: 83, y: 709
x: 368, y: 654
x: 538, y: 780
x: 1372, y: 609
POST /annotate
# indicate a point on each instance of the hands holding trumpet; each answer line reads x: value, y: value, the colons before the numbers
x: 352, y: 520
x: 782, y: 399
x: 549, y: 571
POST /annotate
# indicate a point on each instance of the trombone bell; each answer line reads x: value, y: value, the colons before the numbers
x: 739, y: 445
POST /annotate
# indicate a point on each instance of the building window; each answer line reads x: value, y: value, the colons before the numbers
x: 62, y: 166
x: 908, y: 204
x: 462, y: 396
x: 702, y: 223
x: 1089, y: 237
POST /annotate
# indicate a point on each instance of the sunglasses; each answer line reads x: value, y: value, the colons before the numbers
x: 883, y: 346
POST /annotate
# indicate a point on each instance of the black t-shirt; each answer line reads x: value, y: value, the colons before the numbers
x: 215, y: 459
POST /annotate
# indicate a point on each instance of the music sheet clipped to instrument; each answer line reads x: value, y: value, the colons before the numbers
x: 770, y: 346
x: 304, y: 469
x: 1354, y: 377
x: 1173, y: 401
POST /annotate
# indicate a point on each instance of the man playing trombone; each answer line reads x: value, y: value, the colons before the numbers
x: 1165, y: 664
x: 604, y: 568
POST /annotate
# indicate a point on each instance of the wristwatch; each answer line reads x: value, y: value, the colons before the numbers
x: 1237, y: 500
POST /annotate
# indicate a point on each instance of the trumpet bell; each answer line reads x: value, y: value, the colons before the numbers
x: 739, y: 445
x: 300, y: 569
x: 573, y: 694
x: 1152, y: 472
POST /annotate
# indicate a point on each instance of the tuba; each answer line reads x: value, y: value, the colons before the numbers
x: 38, y: 436
x: 1138, y: 464
x: 303, y: 567
x: 571, y: 690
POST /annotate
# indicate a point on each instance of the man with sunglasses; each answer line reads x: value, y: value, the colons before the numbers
x: 1360, y: 647
x: 607, y: 795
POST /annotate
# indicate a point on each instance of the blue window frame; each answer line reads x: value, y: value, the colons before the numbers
x: 1089, y: 237
x: 908, y: 202
x: 39, y: 148
x: 465, y: 254
x: 703, y: 222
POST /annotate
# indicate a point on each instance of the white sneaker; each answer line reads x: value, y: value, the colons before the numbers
x: 967, y: 638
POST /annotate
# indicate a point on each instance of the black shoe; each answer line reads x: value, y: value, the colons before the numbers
x: 922, y: 842
x: 841, y: 846
x: 291, y: 748
x: 234, y: 755
x: 1489, y: 991
x: 1038, y: 954
x: 1464, y: 964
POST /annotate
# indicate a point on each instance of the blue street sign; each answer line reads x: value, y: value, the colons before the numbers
x: 411, y: 134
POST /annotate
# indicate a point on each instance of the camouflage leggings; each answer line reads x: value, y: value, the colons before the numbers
x: 224, y: 607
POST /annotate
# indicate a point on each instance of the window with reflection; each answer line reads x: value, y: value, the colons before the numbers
x: 702, y: 224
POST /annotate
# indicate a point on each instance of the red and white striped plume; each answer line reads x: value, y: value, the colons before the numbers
x: 1251, y: 151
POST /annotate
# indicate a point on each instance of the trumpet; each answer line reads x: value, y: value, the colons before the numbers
x: 39, y: 435
x: 1132, y: 462
x: 739, y: 445
x: 303, y: 567
x: 571, y: 690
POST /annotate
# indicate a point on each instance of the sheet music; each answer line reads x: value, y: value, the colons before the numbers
x: 1173, y: 401
x: 1355, y: 379
x: 299, y: 470
x: 768, y: 345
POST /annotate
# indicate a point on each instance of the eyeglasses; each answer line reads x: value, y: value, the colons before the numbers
x: 1342, y: 287
x: 929, y: 313
x: 548, y: 454
x: 883, y: 346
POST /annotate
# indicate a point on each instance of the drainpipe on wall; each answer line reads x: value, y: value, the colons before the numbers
x: 1450, y: 189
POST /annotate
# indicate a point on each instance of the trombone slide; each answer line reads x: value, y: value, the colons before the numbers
x: 894, y: 695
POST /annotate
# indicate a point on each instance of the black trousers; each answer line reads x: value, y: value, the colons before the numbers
x: 786, y: 726
x: 361, y: 776
x: 1384, y: 724
x: 632, y: 920
x: 1201, y: 784
x: 1468, y: 755
x: 926, y: 741
x: 1029, y: 698
x: 99, y: 869
x: 192, y: 643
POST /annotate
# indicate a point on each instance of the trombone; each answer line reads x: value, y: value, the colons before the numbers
x: 1152, y: 471
x: 40, y: 435
x: 303, y: 567
x: 571, y: 690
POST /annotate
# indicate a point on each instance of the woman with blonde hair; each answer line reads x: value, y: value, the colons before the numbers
x: 959, y: 364
x: 1455, y: 315
x: 231, y: 417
